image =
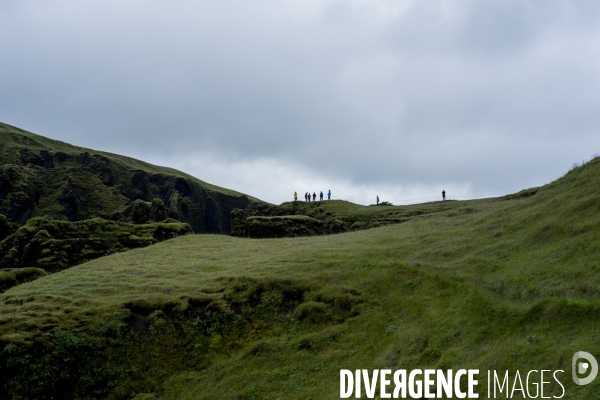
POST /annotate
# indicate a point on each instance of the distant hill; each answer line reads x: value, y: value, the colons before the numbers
x: 45, y: 177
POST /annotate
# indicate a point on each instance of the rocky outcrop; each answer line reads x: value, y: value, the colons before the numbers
x: 10, y: 277
x: 54, y: 245
x: 312, y: 218
x: 7, y: 228
x: 285, y: 226
x: 19, y: 192
x: 288, y: 220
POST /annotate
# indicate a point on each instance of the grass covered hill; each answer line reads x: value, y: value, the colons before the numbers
x: 508, y: 283
x: 44, y: 177
x: 293, y: 219
x: 44, y: 245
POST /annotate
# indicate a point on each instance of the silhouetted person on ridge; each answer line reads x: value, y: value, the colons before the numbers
x: 443, y: 195
x: 329, y: 195
x: 295, y: 196
x: 314, y: 196
x: 305, y: 196
x: 377, y: 200
x: 321, y: 196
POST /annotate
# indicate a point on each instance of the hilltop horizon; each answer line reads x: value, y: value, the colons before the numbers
x: 341, y: 191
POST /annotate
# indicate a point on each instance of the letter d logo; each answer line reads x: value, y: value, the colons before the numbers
x: 583, y: 367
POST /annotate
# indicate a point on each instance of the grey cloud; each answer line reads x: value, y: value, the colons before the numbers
x: 383, y: 92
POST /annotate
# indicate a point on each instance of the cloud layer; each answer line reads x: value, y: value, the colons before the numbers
x: 396, y: 98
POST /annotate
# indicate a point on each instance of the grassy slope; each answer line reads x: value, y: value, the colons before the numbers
x: 490, y: 284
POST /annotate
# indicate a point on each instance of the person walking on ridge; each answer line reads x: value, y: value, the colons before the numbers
x: 295, y: 196
x: 377, y: 200
x: 321, y: 196
x: 329, y: 195
x: 314, y: 196
x: 443, y: 195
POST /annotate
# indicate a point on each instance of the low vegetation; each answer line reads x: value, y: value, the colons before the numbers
x: 45, y: 245
x: 501, y: 284
x: 298, y: 218
x: 10, y: 277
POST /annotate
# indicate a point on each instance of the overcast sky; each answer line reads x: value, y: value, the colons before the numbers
x: 399, y: 99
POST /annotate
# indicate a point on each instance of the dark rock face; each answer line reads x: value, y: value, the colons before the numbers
x: 138, y: 212
x: 66, y: 182
x: 6, y: 228
x: 158, y: 211
x: 19, y: 192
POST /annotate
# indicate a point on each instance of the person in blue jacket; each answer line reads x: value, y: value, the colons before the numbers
x: 329, y: 195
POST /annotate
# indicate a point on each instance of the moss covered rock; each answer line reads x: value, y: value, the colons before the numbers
x: 55, y: 245
x: 284, y: 226
x: 43, y: 177
x: 6, y: 227
x: 269, y: 221
x: 158, y: 211
x: 10, y: 277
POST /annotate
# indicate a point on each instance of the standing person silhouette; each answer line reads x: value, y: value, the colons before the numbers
x: 321, y: 196
x: 443, y: 195
x: 314, y: 196
x: 377, y: 200
x: 305, y: 196
x: 295, y: 196
x: 329, y: 195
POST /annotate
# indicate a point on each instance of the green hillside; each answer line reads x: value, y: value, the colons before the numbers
x: 293, y: 219
x: 45, y: 177
x: 509, y: 283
